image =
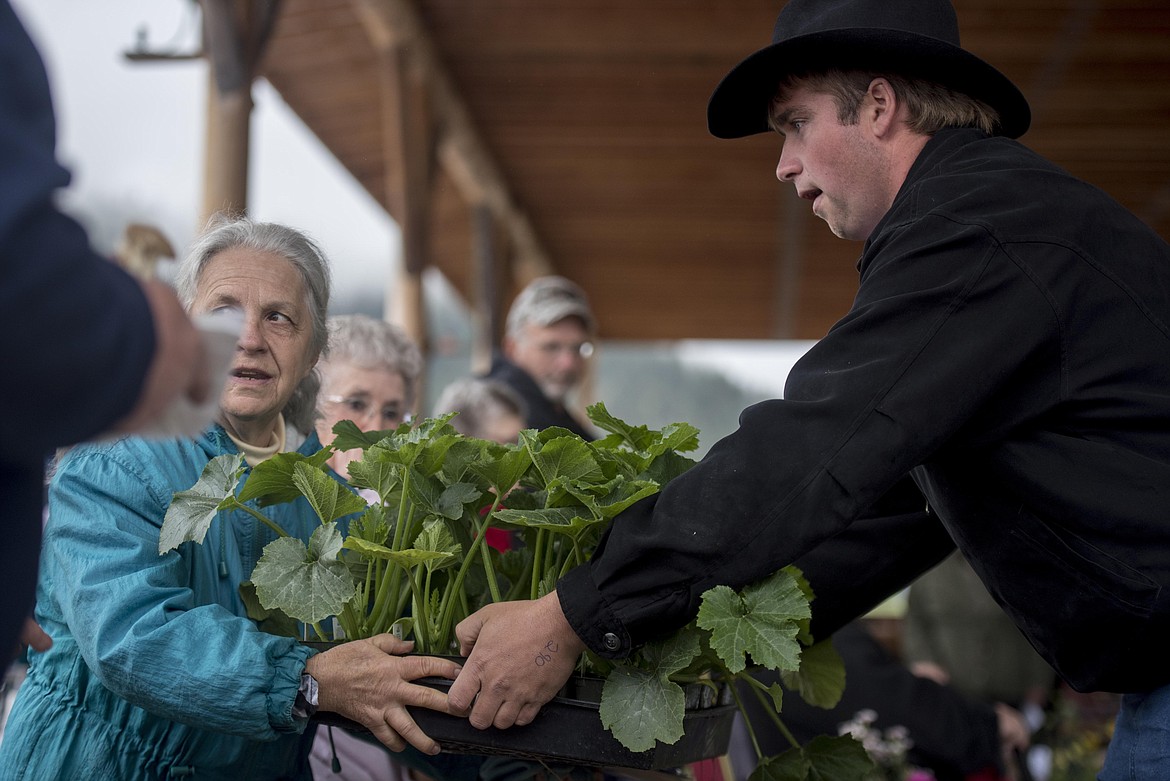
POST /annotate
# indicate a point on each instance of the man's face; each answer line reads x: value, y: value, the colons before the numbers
x: 554, y: 355
x: 840, y: 168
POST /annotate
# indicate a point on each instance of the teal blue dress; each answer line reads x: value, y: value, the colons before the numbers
x: 155, y: 670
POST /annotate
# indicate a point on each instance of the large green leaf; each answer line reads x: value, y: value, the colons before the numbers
x: 679, y: 437
x: 641, y: 705
x: 347, y: 436
x: 371, y: 525
x: 666, y: 467
x: 622, y: 493
x: 789, y: 766
x: 821, y: 677
x: 308, y: 583
x: 330, y: 499
x: 430, y: 495
x: 636, y: 437
x: 270, y: 481
x: 506, y: 470
x: 273, y: 622
x: 382, y: 475
x: 762, y: 620
x: 566, y: 457
x: 191, y: 512
x: 805, y: 635
x: 464, y: 455
x: 839, y: 758
x: 431, y: 459
x: 824, y: 758
x: 407, y: 558
x: 639, y: 708
x: 564, y: 520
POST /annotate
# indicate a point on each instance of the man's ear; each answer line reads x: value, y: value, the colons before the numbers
x: 880, y: 106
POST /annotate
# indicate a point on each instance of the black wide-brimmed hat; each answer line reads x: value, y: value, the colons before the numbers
x: 913, y: 38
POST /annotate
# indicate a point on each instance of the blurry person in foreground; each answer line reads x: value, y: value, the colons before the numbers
x: 89, y: 351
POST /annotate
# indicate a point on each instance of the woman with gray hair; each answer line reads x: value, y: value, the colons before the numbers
x: 369, y: 376
x: 155, y: 670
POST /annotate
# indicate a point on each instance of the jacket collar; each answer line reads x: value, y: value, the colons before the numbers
x: 940, y: 146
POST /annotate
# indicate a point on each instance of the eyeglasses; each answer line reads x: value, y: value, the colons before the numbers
x: 553, y: 349
x: 359, y: 408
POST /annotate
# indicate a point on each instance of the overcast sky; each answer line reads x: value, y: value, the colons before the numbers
x: 132, y: 134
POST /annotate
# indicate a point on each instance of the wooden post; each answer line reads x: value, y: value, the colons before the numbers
x: 234, y: 33
x: 487, y: 288
x: 407, y: 139
x: 225, y: 169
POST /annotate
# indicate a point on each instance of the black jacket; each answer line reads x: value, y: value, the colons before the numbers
x: 1009, y: 348
x: 542, y: 413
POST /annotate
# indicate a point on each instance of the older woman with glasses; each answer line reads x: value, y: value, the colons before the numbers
x: 370, y: 376
x: 155, y: 669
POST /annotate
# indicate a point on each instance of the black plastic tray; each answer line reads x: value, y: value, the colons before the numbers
x: 569, y: 731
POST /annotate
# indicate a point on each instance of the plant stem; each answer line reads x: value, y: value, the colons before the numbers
x: 760, y: 690
x: 260, y: 517
x: 421, y: 633
x: 400, y: 525
x: 399, y: 535
x: 486, y: 555
x: 746, y: 721
x: 537, y: 564
x: 448, y: 605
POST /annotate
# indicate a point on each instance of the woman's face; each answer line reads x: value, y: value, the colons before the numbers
x: 274, y: 352
x: 374, y: 399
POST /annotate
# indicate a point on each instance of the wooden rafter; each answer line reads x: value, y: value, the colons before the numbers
x: 460, y: 148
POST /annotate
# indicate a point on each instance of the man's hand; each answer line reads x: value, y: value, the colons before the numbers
x: 178, y: 367
x: 365, y: 681
x: 519, y: 656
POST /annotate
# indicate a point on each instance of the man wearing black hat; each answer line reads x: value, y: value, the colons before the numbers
x: 1008, y: 351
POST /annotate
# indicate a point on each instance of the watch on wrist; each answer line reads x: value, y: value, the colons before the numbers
x: 305, y: 704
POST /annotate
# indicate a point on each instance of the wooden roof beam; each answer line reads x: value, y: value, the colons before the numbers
x: 461, y: 150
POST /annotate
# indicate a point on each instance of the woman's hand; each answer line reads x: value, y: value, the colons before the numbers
x: 34, y: 637
x: 368, y: 682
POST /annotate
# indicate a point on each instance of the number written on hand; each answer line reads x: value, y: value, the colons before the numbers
x: 545, y: 655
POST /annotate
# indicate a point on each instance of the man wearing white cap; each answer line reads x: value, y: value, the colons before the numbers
x: 547, y: 341
x: 1008, y: 352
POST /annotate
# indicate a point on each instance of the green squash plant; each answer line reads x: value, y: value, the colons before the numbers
x: 415, y: 563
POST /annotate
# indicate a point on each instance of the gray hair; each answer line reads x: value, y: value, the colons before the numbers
x: 478, y: 400
x: 225, y: 232
x: 375, y: 344
x: 548, y: 300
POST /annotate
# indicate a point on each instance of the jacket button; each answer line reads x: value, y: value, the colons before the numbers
x: 611, y: 641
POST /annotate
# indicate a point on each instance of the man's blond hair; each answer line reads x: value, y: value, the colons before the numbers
x: 930, y: 107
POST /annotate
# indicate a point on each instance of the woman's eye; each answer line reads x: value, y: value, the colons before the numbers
x: 358, y: 406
